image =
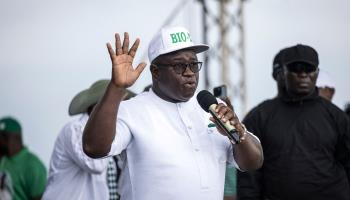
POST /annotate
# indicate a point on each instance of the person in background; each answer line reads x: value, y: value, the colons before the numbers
x: 277, y: 72
x: 306, y: 138
x: 230, y: 190
x: 248, y: 183
x: 347, y: 109
x: 6, y: 190
x: 325, y: 85
x: 171, y: 151
x: 72, y: 174
x: 22, y: 172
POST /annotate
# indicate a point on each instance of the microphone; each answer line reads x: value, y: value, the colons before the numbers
x: 209, y: 103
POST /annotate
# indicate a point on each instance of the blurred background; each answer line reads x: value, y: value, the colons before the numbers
x: 51, y: 50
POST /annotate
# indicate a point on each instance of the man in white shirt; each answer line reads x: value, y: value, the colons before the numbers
x: 72, y: 174
x: 170, y: 149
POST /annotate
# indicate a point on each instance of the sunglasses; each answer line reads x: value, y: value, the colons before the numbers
x: 180, y: 68
x: 300, y: 67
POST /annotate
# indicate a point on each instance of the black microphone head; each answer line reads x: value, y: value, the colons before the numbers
x: 206, y: 99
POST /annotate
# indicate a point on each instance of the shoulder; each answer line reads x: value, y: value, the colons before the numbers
x: 33, y: 161
x: 263, y: 107
x: 332, y: 109
x: 136, y: 102
x: 328, y: 104
x: 75, y: 125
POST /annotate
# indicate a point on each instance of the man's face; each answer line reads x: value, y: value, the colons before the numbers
x: 176, y: 81
x: 300, y: 78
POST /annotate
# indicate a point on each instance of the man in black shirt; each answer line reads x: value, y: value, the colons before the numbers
x: 305, y: 138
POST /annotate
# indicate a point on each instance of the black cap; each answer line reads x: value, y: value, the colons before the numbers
x: 277, y: 64
x: 300, y: 53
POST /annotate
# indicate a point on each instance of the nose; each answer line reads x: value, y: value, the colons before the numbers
x: 302, y: 74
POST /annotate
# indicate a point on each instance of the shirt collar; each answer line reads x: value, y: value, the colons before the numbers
x: 289, y: 99
x: 157, y: 99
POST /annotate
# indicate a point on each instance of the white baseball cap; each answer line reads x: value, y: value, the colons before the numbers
x: 170, y: 39
x: 324, y: 79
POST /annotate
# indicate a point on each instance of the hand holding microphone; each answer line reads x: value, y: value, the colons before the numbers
x: 226, y: 120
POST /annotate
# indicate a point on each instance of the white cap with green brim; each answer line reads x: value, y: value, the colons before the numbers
x: 172, y: 39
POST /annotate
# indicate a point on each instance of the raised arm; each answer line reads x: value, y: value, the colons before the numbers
x: 100, y: 129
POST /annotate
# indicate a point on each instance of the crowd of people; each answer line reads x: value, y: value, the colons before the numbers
x: 161, y: 144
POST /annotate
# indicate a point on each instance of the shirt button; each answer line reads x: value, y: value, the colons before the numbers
x: 196, y: 149
x: 189, y: 127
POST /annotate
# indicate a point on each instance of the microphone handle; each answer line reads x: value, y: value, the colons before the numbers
x: 231, y: 134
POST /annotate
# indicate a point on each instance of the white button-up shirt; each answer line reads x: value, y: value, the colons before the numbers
x: 72, y: 174
x: 170, y: 152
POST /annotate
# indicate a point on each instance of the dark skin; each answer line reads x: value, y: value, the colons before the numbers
x: 103, y: 117
x: 299, y: 85
x: 171, y: 86
x: 168, y: 85
x: 3, y: 145
x: 10, y: 145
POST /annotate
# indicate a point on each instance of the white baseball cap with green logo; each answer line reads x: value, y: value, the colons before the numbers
x: 170, y: 39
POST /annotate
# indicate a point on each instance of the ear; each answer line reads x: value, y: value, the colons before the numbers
x: 154, y: 71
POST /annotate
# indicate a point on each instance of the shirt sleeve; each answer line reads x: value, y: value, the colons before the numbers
x: 123, y: 134
x: 73, y: 143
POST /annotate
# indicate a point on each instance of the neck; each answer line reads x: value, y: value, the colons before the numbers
x: 290, y: 96
x: 161, y: 95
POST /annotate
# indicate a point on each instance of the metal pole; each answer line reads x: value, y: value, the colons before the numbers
x: 205, y: 41
x: 242, y: 61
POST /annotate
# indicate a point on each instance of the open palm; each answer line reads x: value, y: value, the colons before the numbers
x: 123, y: 73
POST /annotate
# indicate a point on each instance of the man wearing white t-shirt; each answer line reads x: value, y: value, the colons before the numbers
x: 170, y: 149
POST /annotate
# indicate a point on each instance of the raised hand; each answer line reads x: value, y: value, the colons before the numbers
x: 123, y: 73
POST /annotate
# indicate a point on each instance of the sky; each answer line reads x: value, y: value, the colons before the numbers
x: 51, y: 50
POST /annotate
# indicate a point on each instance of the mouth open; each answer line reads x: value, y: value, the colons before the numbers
x: 190, y: 84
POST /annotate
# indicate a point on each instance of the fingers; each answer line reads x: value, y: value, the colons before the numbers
x: 110, y: 50
x: 124, y: 49
x: 221, y: 131
x: 225, y: 113
x: 140, y: 68
x: 118, y: 45
x: 126, y: 43
x: 228, y: 102
x: 134, y: 47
